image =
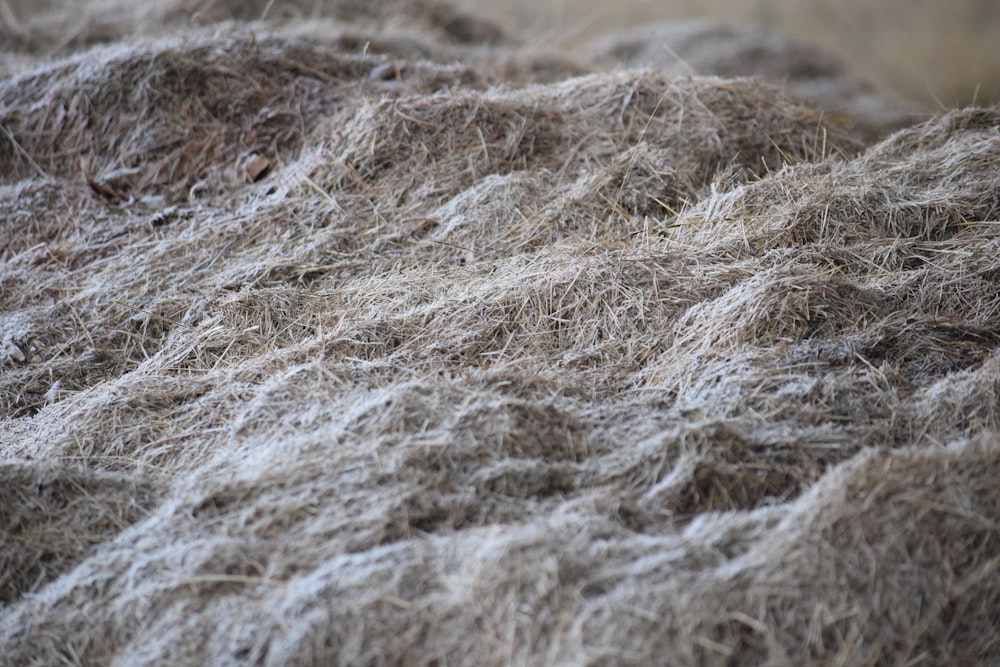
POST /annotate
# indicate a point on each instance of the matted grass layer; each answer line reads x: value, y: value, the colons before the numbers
x: 316, y: 354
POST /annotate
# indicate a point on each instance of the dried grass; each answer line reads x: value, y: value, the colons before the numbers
x: 618, y: 368
x: 46, y: 28
x: 803, y: 71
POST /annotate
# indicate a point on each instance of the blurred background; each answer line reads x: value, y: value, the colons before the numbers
x: 939, y: 53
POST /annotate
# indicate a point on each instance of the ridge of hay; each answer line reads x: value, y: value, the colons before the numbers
x: 620, y: 368
x: 608, y: 151
x: 53, y: 27
x: 804, y: 72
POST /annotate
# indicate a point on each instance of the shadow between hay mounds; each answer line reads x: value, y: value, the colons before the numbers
x: 55, y: 516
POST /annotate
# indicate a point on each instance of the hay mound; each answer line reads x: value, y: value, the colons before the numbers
x: 314, y: 355
x: 404, y: 30
x: 181, y: 113
x: 706, y: 47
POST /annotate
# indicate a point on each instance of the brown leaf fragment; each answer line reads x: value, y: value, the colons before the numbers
x: 112, y: 185
x: 13, y: 352
x: 256, y: 167
x: 121, y: 180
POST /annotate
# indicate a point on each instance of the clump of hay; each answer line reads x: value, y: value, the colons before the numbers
x: 614, y: 369
x: 600, y: 154
x: 706, y: 47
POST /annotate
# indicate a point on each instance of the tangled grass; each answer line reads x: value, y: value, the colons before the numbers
x: 322, y: 353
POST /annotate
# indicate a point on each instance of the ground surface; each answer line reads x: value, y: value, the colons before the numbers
x: 367, y: 333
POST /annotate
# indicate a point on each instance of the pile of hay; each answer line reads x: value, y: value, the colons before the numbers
x: 319, y: 353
